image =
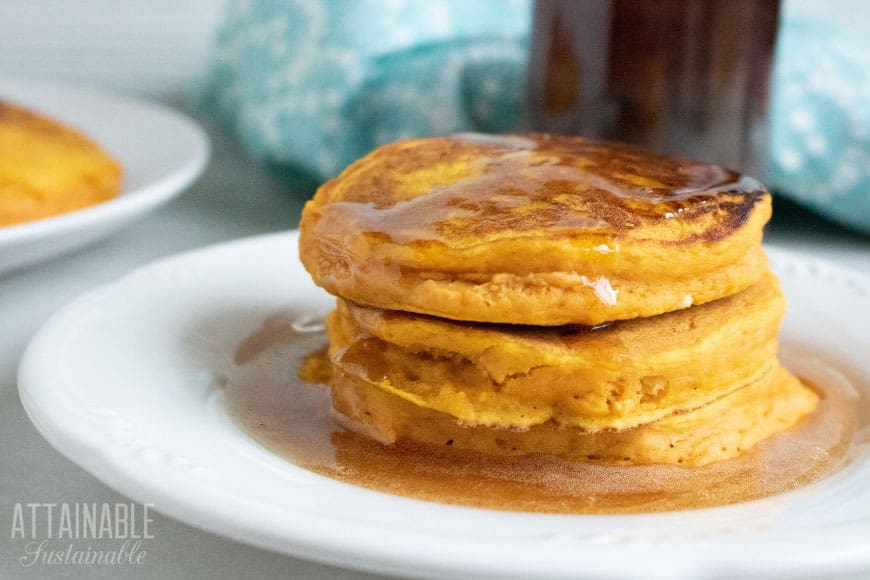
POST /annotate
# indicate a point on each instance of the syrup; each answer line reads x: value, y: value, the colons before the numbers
x: 293, y: 417
x: 459, y: 190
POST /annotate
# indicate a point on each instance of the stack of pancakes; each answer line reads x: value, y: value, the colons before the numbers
x: 542, y: 294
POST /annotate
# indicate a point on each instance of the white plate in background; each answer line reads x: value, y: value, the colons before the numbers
x: 161, y: 152
x: 125, y: 382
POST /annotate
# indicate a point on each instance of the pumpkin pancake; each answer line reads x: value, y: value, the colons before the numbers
x: 47, y: 168
x: 721, y: 430
x: 533, y: 229
x: 612, y: 377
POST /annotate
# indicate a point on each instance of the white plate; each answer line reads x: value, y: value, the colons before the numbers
x: 161, y: 152
x: 124, y: 383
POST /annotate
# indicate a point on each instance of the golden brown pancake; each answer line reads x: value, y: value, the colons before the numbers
x: 47, y: 168
x: 721, y: 430
x: 613, y: 377
x: 533, y: 229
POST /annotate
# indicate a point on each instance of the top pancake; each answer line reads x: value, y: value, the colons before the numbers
x: 47, y: 168
x: 533, y: 229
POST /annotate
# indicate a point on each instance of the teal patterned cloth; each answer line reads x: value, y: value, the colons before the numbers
x: 820, y: 114
x: 314, y: 84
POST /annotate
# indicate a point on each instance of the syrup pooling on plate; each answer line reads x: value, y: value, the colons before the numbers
x: 294, y: 418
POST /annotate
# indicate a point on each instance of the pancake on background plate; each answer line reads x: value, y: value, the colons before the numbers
x: 535, y: 230
x: 48, y: 169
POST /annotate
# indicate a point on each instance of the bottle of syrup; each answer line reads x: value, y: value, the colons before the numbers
x: 683, y: 77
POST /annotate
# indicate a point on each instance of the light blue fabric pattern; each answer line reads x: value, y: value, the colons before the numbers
x: 820, y: 115
x: 315, y: 84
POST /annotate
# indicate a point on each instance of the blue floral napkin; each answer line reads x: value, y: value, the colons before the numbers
x: 314, y: 84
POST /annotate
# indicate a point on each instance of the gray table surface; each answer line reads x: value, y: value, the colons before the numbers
x: 234, y: 198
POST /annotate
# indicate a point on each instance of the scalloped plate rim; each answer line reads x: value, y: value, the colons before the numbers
x: 353, y: 543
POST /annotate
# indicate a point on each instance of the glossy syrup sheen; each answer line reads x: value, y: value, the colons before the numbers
x: 294, y: 418
x: 467, y: 188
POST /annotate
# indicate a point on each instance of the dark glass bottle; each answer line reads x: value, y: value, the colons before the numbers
x: 684, y: 77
